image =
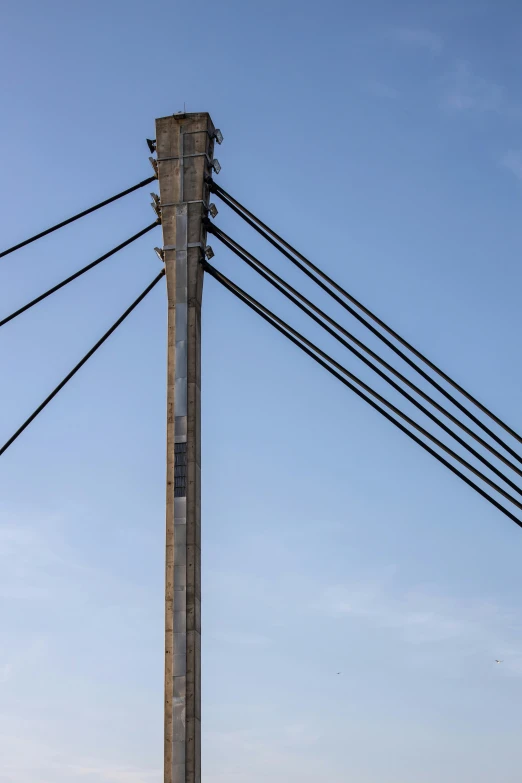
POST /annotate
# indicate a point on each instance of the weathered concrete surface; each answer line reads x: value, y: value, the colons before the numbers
x: 184, y: 145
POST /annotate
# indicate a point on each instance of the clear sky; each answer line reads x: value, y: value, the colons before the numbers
x: 385, y: 140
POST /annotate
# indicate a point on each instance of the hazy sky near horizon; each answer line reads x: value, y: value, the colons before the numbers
x: 385, y: 141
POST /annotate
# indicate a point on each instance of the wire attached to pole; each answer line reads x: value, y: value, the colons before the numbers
x: 292, y: 254
x: 77, y: 217
x: 77, y: 274
x: 80, y: 364
x: 315, y: 353
x: 298, y: 299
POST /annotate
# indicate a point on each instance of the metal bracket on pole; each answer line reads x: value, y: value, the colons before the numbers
x: 178, y: 203
x: 184, y: 247
x: 182, y: 157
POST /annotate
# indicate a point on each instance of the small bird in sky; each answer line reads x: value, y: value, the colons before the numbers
x: 339, y: 672
x: 496, y: 661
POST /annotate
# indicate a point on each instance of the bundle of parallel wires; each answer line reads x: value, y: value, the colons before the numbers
x: 488, y: 459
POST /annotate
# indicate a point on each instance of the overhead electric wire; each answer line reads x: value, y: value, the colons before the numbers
x: 80, y: 364
x: 294, y: 296
x: 287, y: 250
x: 315, y: 353
x: 78, y: 216
x: 77, y: 274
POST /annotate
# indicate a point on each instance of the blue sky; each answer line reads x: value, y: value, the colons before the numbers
x: 385, y: 140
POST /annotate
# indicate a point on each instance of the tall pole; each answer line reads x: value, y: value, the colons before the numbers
x: 184, y: 145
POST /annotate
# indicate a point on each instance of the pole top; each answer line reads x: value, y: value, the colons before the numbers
x: 182, y: 115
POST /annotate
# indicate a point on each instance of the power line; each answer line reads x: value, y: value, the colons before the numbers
x: 315, y: 353
x: 77, y: 274
x: 287, y: 250
x: 78, y: 216
x: 80, y: 364
x: 294, y: 296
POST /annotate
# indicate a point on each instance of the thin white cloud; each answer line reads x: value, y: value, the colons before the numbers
x: 113, y: 774
x: 418, y: 37
x: 512, y: 161
x: 420, y: 616
x: 470, y: 93
x: 25, y: 760
x: 31, y: 753
x: 37, y: 563
x: 33, y: 559
x: 242, y: 638
x: 56, y: 772
x: 6, y: 671
x: 278, y: 751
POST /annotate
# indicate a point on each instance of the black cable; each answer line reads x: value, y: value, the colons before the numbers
x: 80, y: 364
x: 375, y: 394
x: 77, y: 274
x: 77, y: 217
x: 294, y: 296
x: 287, y: 331
x: 281, y: 244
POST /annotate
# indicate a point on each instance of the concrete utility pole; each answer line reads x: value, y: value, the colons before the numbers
x: 184, y: 145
